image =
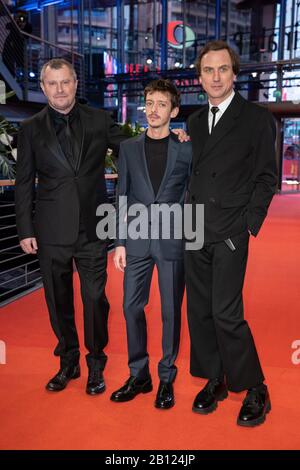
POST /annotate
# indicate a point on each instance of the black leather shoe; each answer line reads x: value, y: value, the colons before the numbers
x: 62, y: 378
x: 165, y: 396
x: 133, y: 386
x: 207, y: 399
x: 255, y: 407
x: 95, y: 383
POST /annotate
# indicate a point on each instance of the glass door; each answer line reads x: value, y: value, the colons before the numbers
x: 291, y: 155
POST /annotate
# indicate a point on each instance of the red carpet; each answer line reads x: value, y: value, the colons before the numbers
x: 32, y: 418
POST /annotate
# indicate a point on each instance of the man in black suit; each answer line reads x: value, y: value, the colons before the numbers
x: 153, y: 174
x: 234, y: 176
x: 65, y: 145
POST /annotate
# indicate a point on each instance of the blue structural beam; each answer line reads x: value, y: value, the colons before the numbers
x: 28, y: 5
x: 120, y: 35
x: 218, y: 19
x: 164, y: 38
x: 282, y: 29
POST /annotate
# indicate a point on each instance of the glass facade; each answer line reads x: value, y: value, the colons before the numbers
x: 140, y: 36
x: 92, y: 25
x: 291, y: 155
x: 126, y: 43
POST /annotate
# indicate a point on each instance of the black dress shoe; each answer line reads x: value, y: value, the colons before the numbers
x: 61, y: 379
x: 165, y: 396
x: 133, y: 386
x: 255, y: 407
x: 95, y: 383
x: 207, y: 399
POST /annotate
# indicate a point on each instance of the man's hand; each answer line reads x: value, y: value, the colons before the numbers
x: 120, y: 258
x: 182, y: 135
x: 29, y: 245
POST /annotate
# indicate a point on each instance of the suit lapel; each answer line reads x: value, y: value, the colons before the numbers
x: 201, y: 132
x: 226, y: 123
x: 140, y: 142
x: 173, y: 149
x: 48, y: 134
x: 51, y: 141
x: 53, y: 144
x: 86, y: 125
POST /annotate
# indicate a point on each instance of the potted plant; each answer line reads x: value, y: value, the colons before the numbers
x: 110, y: 159
x: 8, y: 151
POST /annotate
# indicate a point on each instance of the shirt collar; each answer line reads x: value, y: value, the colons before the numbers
x: 224, y: 105
x: 57, y: 115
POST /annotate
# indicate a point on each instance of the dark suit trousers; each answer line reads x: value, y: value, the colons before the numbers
x: 221, y: 340
x: 137, y: 281
x: 57, y: 271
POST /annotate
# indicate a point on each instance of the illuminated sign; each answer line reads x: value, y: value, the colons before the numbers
x: 176, y: 31
x: 28, y: 5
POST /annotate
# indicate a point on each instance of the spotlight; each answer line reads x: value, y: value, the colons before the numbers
x: 31, y: 74
x: 149, y: 61
x: 177, y: 65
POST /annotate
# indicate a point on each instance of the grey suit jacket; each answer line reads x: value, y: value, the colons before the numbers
x: 134, y: 183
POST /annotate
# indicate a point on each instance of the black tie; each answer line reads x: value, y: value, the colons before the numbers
x: 214, y: 110
x: 71, y: 141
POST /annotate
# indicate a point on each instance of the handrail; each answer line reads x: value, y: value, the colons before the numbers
x: 108, y: 176
x: 37, y: 38
x: 25, y: 54
x: 272, y: 63
x: 48, y: 43
x: 9, y: 14
x: 19, y: 272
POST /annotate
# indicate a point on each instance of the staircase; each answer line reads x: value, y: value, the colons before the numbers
x: 22, y: 56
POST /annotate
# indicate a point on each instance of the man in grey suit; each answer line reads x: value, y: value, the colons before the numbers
x: 153, y: 173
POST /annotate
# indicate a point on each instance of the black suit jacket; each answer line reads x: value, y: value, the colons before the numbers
x: 234, y: 169
x: 63, y: 194
x: 134, y: 182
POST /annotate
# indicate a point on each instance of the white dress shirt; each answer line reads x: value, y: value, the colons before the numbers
x: 222, y: 108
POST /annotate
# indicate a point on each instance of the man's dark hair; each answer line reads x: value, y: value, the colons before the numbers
x: 57, y: 64
x: 164, y: 86
x: 219, y: 46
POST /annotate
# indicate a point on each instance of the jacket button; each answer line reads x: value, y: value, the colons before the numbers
x: 212, y: 199
x: 214, y: 174
x: 196, y: 172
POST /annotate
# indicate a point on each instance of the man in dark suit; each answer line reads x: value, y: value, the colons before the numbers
x: 234, y: 176
x: 65, y: 145
x: 153, y: 173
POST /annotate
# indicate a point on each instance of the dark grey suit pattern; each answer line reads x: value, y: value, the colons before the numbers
x: 143, y: 255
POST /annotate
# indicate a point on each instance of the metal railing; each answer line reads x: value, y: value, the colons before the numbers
x: 19, y: 272
x: 22, y: 56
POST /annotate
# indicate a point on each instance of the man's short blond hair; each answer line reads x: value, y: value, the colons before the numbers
x: 57, y: 64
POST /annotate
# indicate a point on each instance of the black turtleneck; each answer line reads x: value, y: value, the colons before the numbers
x: 156, y: 151
x: 69, y: 132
